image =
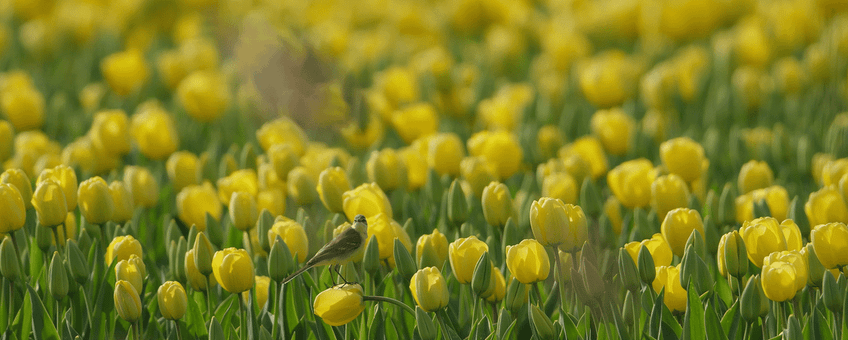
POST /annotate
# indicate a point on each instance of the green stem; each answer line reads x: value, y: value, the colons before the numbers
x: 208, y: 298
x: 136, y: 334
x: 56, y: 238
x: 560, y: 280
x: 241, y: 319
x: 57, y: 315
x: 390, y: 300
x: 179, y: 334
x: 247, y: 244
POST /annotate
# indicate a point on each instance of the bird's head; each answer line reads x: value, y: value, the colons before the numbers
x: 360, y: 224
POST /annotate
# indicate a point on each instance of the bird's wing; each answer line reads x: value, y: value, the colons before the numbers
x: 340, y: 248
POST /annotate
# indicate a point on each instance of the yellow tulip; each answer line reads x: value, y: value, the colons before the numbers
x: 142, y: 186
x: 762, y: 237
x: 241, y: 180
x: 386, y: 168
x: 261, y: 291
x: 293, y: 235
x: 755, y: 175
x: 528, y: 261
x: 464, y: 253
x: 109, y: 131
x: 478, y: 172
x: 183, y: 169
x: 590, y: 151
x: 549, y: 139
x: 12, y: 209
x: 497, y: 287
x: 667, y: 193
x: 332, y: 184
x: 154, y: 131
x: 826, y: 205
x: 678, y: 225
x: 95, y: 201
x: 49, y: 203
x: 233, y: 269
x: 608, y: 79
x: 501, y: 148
x: 562, y: 186
x: 127, y: 301
x: 282, y: 131
x: 445, y: 153
x: 631, y: 182
x: 398, y: 85
x: 173, y: 301
x: 123, y: 203
x: 830, y: 241
x: 798, y: 262
x: 340, y: 304
x: 67, y: 180
x: 24, y: 107
x: 614, y: 128
x: 195, y: 201
x: 778, y: 280
x: 367, y: 200
x: 557, y: 224
x: 19, y: 179
x: 684, y: 157
x: 429, y: 289
x: 125, y: 71
x: 416, y: 165
x: 415, y: 121
x: 657, y: 246
x: 273, y: 200
x: 386, y: 231
x: 204, y: 95
x: 612, y: 209
x: 497, y: 204
x: 431, y: 249
x: 122, y: 248
x: 775, y: 196
x: 128, y: 271
x: 675, y: 296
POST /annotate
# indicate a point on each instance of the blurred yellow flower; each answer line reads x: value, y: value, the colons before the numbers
x: 122, y: 202
x: 684, y: 157
x: 109, y: 131
x: 243, y: 210
x: 144, y: 188
x: 500, y: 148
x: 478, y: 172
x: 444, y: 154
x: 153, y: 130
x: 195, y: 201
x: 668, y: 192
x: 678, y: 225
x: 675, y: 296
x: 126, y: 72
x: 23, y: 107
x: 293, y: 235
x: 367, y: 200
x: 631, y: 182
x: 754, y: 175
x: 302, y: 186
x: 415, y: 121
x: 775, y: 196
x: 592, y: 153
x: 562, y: 186
x: 282, y: 131
x: 386, y: 168
x: 205, y: 95
x: 614, y: 128
x: 95, y: 201
x: 497, y: 204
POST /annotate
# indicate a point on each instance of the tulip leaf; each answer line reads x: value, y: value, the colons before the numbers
x: 569, y: 327
x: 195, y: 320
x: 619, y: 324
x: 5, y: 300
x: 693, y: 323
x: 24, y: 318
x: 42, y: 327
x: 723, y: 292
x: 712, y: 324
x: 730, y: 320
x: 226, y: 310
x: 656, y: 315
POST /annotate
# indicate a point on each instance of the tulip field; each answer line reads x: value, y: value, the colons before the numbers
x: 424, y: 169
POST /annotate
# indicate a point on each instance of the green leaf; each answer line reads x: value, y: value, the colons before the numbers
x: 23, y: 320
x: 570, y: 328
x: 730, y: 321
x: 226, y: 309
x: 42, y: 326
x: 713, y: 326
x: 723, y: 291
x: 620, y: 327
x: 656, y: 316
x: 693, y: 322
x: 195, y: 321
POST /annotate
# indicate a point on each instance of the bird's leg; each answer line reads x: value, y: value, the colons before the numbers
x: 340, y: 274
x: 332, y: 277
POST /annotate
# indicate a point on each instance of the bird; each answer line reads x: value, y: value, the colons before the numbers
x: 339, y: 249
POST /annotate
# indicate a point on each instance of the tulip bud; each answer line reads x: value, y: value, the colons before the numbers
x: 750, y: 300
x: 172, y: 300
x: 9, y: 265
x: 180, y: 267
x: 628, y: 272
x: 696, y: 240
x: 694, y: 269
x: 815, y: 269
x: 279, y: 260
x: 371, y: 258
x: 426, y: 328
x: 732, y: 256
x: 130, y: 272
x: 19, y: 179
x: 127, y: 301
x: 497, y: 204
x: 457, y: 204
x: 429, y: 289
x: 243, y: 212
x: 482, y: 274
x: 431, y: 250
x: 542, y: 325
x: 203, y: 254
x: 78, y: 263
x: 403, y: 260
x: 647, y: 271
x: 727, y: 204
x: 332, y: 184
x: 57, y: 277
x: 517, y: 295
x: 263, y: 225
x: 44, y: 238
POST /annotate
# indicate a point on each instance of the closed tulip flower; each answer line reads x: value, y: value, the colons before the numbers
x: 122, y: 201
x: 612, y: 209
x: 273, y: 200
x: 778, y: 280
x: 678, y: 225
x: 478, y: 172
x: 500, y: 148
x: 608, y: 79
x: 762, y: 237
x: 204, y: 95
x: 657, y: 246
x: 261, y: 290
x: 121, y: 248
x: 683, y: 157
x: 172, y: 300
x: 798, y: 262
x: 233, y: 270
x: 127, y: 301
x: 826, y: 205
x: 562, y: 186
x: 142, y: 186
x: 301, y: 186
x: 195, y: 278
x: 429, y: 289
x: 49, y: 203
x: 109, y: 131
x: 415, y: 121
x: 19, y: 179
x: 557, y: 224
x: 183, y: 169
x: 631, y: 182
x: 431, y: 249
x: 241, y: 180
x: 387, y: 230
x: 386, y: 168
x: 775, y: 196
x: 12, y: 209
x: 125, y: 71
x: 589, y: 150
x: 549, y: 139
x: 792, y: 235
x: 282, y: 131
x: 675, y: 295
x: 445, y: 153
x: 154, y: 131
x: 832, y: 171
x: 67, y: 180
x: 332, y: 184
x: 528, y: 261
x: 755, y: 175
x: 130, y: 272
x: 243, y: 211
x: 195, y: 201
x: 340, y: 304
x: 497, y: 204
x: 727, y: 256
x: 95, y: 200
x: 24, y: 107
x: 830, y: 241
x: 667, y: 193
x: 293, y: 235
x: 416, y: 166
x: 464, y: 254
x: 368, y: 200
x: 614, y: 128
x: 497, y: 287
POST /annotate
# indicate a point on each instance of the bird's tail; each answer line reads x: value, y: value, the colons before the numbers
x: 295, y: 274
